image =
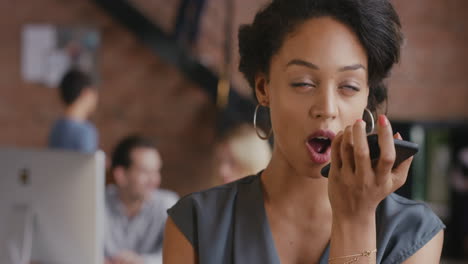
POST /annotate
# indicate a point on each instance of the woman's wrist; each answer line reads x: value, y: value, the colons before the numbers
x: 356, y: 225
x: 350, y: 218
x: 352, y: 235
x: 362, y: 214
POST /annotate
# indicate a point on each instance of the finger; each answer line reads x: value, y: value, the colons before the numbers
x: 404, y: 166
x: 336, y: 161
x: 400, y: 173
x: 361, y: 149
x: 387, y: 149
x: 346, y: 150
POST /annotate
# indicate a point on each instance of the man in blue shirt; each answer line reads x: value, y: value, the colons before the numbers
x: 73, y: 131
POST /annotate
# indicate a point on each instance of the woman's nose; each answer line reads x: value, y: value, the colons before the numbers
x: 324, y: 105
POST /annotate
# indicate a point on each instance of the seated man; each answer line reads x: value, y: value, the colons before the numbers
x: 136, y: 208
x: 73, y: 131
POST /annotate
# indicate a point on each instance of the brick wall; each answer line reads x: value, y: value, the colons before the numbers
x: 139, y: 92
x: 432, y: 81
x: 209, y: 48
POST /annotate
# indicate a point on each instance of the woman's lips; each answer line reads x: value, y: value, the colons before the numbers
x: 317, y: 157
x: 317, y: 152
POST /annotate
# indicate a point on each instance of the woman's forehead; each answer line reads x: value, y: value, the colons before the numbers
x: 325, y: 42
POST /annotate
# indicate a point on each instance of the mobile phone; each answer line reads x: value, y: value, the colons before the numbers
x: 404, y: 150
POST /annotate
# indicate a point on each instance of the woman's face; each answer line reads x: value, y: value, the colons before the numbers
x: 317, y: 85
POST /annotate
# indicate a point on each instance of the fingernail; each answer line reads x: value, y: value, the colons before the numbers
x: 383, y: 121
x: 361, y: 122
x: 398, y: 135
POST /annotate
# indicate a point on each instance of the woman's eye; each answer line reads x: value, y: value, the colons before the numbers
x: 303, y: 85
x: 350, y: 88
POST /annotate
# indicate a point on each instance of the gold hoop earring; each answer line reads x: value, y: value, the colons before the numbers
x: 257, y: 129
x: 372, y: 123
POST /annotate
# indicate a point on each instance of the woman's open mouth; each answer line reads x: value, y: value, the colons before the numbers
x: 319, y: 146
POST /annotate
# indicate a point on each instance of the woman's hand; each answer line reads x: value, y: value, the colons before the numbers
x: 356, y: 185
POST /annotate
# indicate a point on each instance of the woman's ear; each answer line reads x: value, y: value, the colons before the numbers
x: 262, y: 91
x: 120, y: 177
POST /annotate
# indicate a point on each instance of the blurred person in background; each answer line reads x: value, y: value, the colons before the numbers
x: 241, y: 153
x: 135, y: 205
x: 73, y: 131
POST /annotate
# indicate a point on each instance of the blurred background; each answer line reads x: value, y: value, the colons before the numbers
x: 172, y: 76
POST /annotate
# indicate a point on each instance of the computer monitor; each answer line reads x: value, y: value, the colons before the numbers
x: 63, y: 192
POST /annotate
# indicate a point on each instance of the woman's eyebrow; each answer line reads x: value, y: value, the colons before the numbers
x: 300, y: 62
x: 310, y: 65
x: 353, y: 67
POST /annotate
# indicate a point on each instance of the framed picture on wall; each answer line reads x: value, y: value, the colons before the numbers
x: 48, y: 51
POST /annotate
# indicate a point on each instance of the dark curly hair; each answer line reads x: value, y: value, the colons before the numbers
x: 375, y: 22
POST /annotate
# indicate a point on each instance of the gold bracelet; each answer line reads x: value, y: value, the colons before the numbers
x: 354, y: 258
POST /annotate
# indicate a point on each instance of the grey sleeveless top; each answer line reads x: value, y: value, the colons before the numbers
x: 228, y: 224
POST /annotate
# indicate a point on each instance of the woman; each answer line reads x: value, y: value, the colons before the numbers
x: 240, y: 153
x: 317, y: 65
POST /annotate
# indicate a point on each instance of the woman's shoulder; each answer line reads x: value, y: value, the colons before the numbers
x: 396, y: 208
x: 213, y: 196
x: 404, y: 226
x: 208, y: 208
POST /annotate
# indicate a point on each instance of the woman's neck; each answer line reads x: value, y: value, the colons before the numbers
x: 294, y: 192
